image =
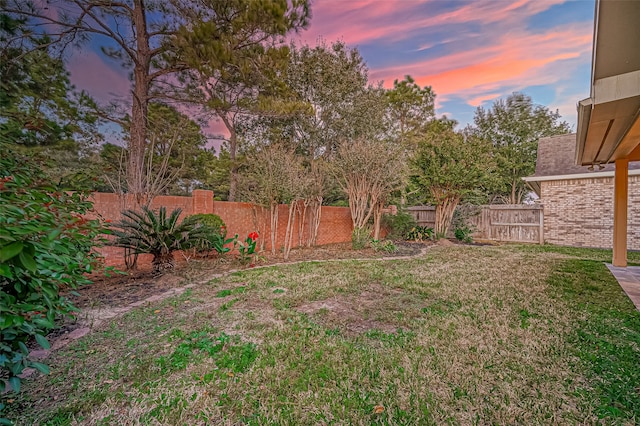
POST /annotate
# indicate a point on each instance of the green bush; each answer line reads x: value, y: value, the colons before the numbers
x: 463, y: 233
x: 420, y: 233
x: 45, y: 244
x: 399, y: 225
x: 148, y: 232
x: 360, y: 237
x: 213, y: 223
x: 213, y: 231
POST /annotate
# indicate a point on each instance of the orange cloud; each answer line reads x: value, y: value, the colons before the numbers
x: 516, y: 60
x: 479, y: 100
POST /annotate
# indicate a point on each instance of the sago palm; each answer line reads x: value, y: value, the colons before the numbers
x: 155, y: 233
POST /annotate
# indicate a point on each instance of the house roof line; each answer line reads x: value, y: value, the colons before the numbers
x: 589, y: 175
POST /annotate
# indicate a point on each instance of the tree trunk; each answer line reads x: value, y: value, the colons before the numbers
x: 377, y: 221
x: 162, y: 261
x: 314, y: 221
x: 302, y: 217
x: 139, y: 106
x: 288, y: 236
x: 444, y: 215
x: 233, y: 148
x: 274, y: 226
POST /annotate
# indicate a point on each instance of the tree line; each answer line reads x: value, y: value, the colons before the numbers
x: 304, y: 124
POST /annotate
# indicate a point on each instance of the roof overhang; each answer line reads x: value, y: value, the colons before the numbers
x: 609, y: 120
x: 534, y: 181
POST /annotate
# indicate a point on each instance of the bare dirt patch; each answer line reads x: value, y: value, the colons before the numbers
x: 122, y: 290
x: 354, y: 314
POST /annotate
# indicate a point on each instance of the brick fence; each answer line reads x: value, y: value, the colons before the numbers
x: 239, y: 218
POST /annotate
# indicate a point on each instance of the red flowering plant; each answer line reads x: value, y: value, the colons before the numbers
x: 247, y: 247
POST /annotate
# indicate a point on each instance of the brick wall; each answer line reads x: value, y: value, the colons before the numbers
x: 579, y: 212
x: 240, y: 218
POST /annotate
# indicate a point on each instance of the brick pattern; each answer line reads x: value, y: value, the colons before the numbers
x: 243, y: 218
x: 240, y: 218
x: 579, y: 212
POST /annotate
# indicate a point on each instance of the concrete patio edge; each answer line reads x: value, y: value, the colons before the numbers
x: 629, y: 280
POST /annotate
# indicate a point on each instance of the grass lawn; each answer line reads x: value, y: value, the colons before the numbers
x: 463, y: 335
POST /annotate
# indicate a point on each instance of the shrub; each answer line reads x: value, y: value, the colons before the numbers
x: 213, y: 232
x: 148, y: 232
x: 399, y: 225
x: 45, y: 244
x: 213, y: 223
x: 463, y: 233
x: 386, y: 246
x: 360, y: 237
x: 420, y: 233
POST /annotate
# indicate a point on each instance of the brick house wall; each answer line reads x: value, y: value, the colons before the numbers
x: 579, y: 212
x: 239, y: 218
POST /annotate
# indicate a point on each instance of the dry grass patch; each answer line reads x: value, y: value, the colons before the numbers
x: 463, y: 335
x: 354, y: 314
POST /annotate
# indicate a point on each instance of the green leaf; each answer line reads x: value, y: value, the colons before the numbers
x: 14, y: 381
x: 44, y: 369
x: 5, y: 271
x: 5, y: 421
x: 42, y: 341
x: 54, y: 234
x: 43, y: 322
x: 27, y: 261
x: 11, y: 250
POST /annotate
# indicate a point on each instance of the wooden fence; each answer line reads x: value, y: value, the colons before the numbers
x: 499, y: 222
x: 423, y: 215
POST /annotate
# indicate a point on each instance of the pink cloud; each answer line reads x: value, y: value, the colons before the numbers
x: 358, y: 22
x: 479, y: 74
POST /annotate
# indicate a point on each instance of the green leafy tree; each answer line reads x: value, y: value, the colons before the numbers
x: 46, y: 244
x: 513, y: 126
x: 175, y: 155
x: 175, y: 143
x: 447, y: 168
x: 217, y: 170
x: 368, y: 171
x: 38, y: 105
x: 40, y: 111
x: 333, y: 80
x: 410, y: 108
x: 130, y: 36
x: 236, y: 57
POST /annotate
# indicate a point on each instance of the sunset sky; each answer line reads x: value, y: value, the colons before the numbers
x: 469, y: 52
